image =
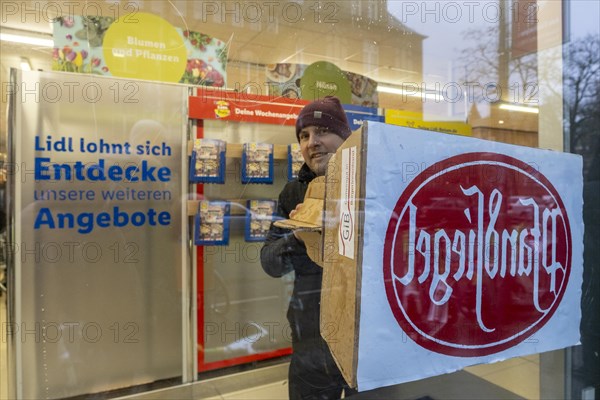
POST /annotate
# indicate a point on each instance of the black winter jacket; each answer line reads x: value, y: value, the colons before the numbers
x: 283, y: 253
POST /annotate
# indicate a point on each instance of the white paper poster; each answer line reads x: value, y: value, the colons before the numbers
x: 472, y: 254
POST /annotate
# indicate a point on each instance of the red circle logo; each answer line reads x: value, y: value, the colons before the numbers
x: 477, y: 254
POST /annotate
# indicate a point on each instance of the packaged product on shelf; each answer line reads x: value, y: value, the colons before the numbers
x: 207, y: 164
x: 259, y: 214
x: 212, y: 223
x: 295, y: 160
x: 257, y: 163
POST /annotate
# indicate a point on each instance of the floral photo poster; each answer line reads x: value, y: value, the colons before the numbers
x: 78, y: 47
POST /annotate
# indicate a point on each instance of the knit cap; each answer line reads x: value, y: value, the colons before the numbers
x: 326, y: 112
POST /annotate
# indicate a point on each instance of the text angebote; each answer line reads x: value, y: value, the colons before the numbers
x: 118, y: 182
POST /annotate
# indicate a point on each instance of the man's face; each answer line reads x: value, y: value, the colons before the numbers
x: 317, y: 145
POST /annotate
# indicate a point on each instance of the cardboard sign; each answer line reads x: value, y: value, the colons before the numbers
x: 467, y: 252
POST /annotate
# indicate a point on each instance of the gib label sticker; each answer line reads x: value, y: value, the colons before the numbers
x: 474, y: 266
x: 346, y: 237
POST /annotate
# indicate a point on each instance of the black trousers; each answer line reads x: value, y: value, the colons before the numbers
x: 313, y: 373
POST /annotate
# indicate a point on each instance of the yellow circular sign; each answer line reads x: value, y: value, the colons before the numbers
x: 144, y: 47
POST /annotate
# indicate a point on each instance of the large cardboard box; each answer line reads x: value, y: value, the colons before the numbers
x: 442, y: 251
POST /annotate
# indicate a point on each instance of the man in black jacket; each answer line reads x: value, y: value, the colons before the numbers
x: 321, y: 128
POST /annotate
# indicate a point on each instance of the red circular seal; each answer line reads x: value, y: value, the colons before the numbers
x: 477, y: 254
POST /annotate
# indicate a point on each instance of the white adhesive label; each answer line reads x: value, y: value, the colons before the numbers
x: 346, y: 237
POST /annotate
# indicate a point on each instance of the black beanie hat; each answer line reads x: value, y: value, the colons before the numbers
x: 326, y: 112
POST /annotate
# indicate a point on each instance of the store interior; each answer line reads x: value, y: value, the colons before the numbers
x: 359, y: 37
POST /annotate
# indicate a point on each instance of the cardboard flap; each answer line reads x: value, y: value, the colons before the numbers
x: 297, y: 225
x: 307, y: 223
x: 316, y: 189
x: 310, y: 215
x: 313, y: 241
x: 340, y: 302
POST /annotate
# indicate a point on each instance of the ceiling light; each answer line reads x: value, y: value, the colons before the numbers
x: 513, y: 107
x: 410, y: 93
x: 36, y: 41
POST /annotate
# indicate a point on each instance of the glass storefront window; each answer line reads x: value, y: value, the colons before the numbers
x: 522, y: 72
x: 582, y: 106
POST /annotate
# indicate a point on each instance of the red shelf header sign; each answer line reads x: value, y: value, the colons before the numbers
x: 242, y: 107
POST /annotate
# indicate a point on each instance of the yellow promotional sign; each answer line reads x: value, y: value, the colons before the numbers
x: 413, y: 119
x: 149, y: 48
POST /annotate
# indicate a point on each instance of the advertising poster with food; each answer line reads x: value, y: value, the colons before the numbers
x: 472, y: 253
x: 295, y: 161
x: 149, y: 49
x: 257, y: 163
x: 207, y: 163
x: 259, y: 215
x: 320, y: 79
x: 211, y: 223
